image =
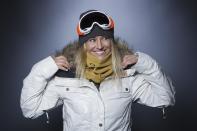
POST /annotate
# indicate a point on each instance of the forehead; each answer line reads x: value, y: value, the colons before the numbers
x: 98, y: 37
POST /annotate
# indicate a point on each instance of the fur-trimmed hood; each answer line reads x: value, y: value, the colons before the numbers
x: 71, y: 48
x: 69, y: 51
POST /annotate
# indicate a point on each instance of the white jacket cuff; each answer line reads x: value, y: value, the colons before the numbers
x: 145, y: 64
x: 46, y: 67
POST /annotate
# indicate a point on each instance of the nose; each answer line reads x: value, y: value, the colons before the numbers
x: 99, y: 44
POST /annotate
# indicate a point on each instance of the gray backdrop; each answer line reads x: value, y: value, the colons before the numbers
x: 164, y: 29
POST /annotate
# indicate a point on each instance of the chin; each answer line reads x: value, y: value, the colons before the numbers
x: 100, y: 58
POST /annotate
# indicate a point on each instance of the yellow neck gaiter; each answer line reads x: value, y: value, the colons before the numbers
x: 97, y: 70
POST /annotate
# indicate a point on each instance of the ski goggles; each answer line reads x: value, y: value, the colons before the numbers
x: 87, y: 22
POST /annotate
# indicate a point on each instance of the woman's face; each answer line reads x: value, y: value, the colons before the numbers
x: 98, y: 46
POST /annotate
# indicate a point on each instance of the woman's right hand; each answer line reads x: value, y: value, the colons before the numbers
x: 62, y: 63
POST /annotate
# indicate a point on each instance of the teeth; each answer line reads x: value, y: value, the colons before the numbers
x: 99, y: 52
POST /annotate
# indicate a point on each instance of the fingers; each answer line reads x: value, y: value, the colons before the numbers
x: 62, y: 63
x: 62, y: 59
x: 129, y: 60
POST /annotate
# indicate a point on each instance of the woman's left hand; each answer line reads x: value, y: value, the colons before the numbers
x: 129, y: 60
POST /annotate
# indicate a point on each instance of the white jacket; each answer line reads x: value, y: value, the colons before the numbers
x: 87, y: 109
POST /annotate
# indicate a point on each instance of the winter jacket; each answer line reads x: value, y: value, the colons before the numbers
x: 87, y: 109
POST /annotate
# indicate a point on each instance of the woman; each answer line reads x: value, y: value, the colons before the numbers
x: 108, y: 79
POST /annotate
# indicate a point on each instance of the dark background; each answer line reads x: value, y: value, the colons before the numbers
x: 165, y: 29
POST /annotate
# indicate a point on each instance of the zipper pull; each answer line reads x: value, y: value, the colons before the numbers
x: 47, y: 115
x: 163, y: 113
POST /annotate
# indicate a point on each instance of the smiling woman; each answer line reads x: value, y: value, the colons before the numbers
x: 108, y: 79
x: 98, y: 56
x: 98, y: 46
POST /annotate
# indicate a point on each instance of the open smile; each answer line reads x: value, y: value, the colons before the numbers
x: 100, y: 52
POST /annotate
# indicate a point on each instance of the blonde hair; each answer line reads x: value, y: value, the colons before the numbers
x: 80, y: 62
x: 119, y: 49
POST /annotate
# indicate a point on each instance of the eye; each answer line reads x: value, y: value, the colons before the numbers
x: 92, y: 40
x: 105, y: 38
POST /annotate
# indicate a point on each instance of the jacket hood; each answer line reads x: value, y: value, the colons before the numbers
x: 71, y: 48
x: 69, y: 51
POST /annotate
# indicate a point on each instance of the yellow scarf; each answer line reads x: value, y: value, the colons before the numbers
x: 97, y: 70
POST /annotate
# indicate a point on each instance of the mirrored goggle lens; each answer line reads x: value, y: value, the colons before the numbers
x: 89, y: 19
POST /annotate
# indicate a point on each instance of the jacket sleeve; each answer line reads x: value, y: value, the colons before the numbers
x: 38, y: 92
x: 151, y: 86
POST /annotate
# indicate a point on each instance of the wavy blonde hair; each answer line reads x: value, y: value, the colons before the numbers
x: 119, y: 49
